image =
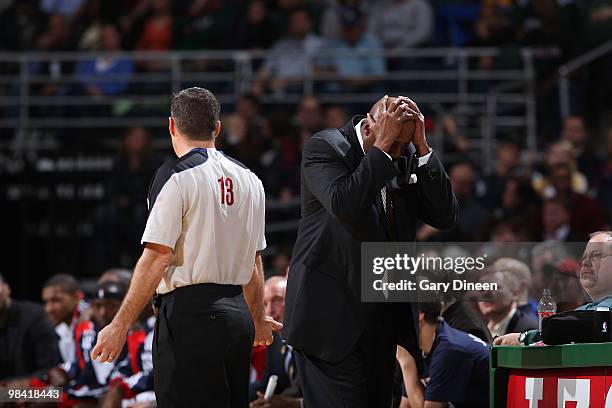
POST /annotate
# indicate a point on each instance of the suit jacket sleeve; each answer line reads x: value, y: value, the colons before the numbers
x: 437, y: 203
x: 344, y: 194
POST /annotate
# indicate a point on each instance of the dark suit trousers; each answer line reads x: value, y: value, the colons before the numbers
x: 202, y: 348
x: 363, y: 379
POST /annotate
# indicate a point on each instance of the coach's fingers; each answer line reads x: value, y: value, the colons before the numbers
x: 413, y: 114
x: 410, y: 103
x: 395, y: 108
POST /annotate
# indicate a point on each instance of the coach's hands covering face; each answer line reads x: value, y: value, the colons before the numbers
x: 419, y: 140
x: 264, y: 327
x: 389, y: 122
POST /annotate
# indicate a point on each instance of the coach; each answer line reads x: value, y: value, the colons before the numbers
x: 360, y: 183
x: 202, y: 242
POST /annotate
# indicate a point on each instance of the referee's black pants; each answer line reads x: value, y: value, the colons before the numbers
x: 202, y: 348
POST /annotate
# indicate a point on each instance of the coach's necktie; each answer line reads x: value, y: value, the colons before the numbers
x: 387, y: 202
x: 289, y: 363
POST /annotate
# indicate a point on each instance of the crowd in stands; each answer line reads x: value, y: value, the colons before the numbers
x: 157, y: 25
x: 352, y: 28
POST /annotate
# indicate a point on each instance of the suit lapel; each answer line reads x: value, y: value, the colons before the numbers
x: 357, y: 155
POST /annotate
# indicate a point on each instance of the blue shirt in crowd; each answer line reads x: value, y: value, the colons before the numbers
x: 458, y: 369
x: 603, y: 302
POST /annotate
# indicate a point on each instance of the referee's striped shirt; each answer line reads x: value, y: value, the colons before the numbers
x: 210, y: 209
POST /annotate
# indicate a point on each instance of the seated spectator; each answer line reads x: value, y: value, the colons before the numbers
x: 354, y: 55
x: 257, y: 30
x: 472, y: 216
x: 493, y: 28
x: 575, y: 132
x: 28, y: 343
x: 244, y: 133
x: 91, y: 73
x: 330, y: 21
x: 401, y: 24
x: 20, y: 25
x: 559, y: 154
x: 309, y: 117
x: 522, y: 273
x: 279, y: 355
x: 595, y: 279
x: 520, y: 203
x: 156, y: 34
x: 62, y: 296
x: 500, y: 307
x: 490, y: 188
x: 288, y: 62
x: 455, y: 20
x: 556, y: 219
x: 586, y: 213
x: 456, y: 365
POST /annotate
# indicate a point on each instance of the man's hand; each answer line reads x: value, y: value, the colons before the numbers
x: 275, y: 401
x: 388, y: 125
x: 419, y: 140
x: 110, y: 343
x: 510, y: 339
x: 263, y: 330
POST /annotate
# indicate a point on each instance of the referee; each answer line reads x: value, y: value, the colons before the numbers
x: 201, y: 251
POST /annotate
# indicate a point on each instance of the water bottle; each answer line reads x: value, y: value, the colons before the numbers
x: 546, y: 307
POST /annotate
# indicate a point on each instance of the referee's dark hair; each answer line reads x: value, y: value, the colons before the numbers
x: 195, y: 112
x: 66, y: 282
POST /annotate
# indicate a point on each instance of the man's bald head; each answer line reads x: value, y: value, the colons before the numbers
x: 274, y: 297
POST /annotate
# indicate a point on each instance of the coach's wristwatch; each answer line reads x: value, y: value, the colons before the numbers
x: 522, y: 337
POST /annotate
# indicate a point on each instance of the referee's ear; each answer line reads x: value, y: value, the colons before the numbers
x: 217, y: 130
x: 171, y: 126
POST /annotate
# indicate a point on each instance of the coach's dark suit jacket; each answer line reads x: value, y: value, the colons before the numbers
x: 342, y: 207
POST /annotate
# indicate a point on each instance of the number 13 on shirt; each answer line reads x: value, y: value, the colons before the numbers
x: 227, y: 190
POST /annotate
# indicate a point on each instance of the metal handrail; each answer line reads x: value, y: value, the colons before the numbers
x: 241, y: 54
x: 570, y: 67
x: 237, y: 70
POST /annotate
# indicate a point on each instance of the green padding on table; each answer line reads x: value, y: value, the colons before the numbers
x: 569, y: 355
